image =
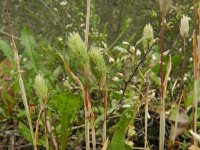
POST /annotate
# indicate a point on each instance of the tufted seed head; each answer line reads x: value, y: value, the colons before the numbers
x: 40, y: 87
x: 184, y: 26
x: 148, y: 35
x: 164, y: 4
x: 78, y: 56
x: 97, y: 66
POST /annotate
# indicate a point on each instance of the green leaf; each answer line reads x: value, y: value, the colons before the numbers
x: 118, y: 139
x: 29, y: 43
x: 190, y: 98
x: 25, y: 132
x: 67, y: 106
x: 6, y: 49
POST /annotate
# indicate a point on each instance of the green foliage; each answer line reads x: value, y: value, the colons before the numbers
x: 29, y: 44
x: 97, y: 65
x: 118, y: 139
x: 25, y: 132
x: 6, y: 49
x: 66, y: 105
x: 117, y: 33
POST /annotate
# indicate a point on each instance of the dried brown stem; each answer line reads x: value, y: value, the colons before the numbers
x: 88, y: 111
x: 162, y: 103
x: 196, y: 70
x: 87, y: 22
x: 21, y: 83
x: 105, y: 96
x: 146, y: 112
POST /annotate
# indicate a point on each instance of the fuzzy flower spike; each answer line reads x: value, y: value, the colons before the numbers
x: 184, y: 26
x: 79, y: 60
x: 148, y: 35
x: 40, y: 87
x: 98, y: 66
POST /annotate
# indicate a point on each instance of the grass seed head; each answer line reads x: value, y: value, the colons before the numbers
x: 79, y: 60
x: 148, y: 35
x: 40, y: 87
x: 98, y: 66
x: 184, y: 26
x: 164, y: 4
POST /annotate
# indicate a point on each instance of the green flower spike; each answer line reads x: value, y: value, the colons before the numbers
x: 79, y: 60
x: 148, y: 35
x: 40, y: 87
x: 98, y: 66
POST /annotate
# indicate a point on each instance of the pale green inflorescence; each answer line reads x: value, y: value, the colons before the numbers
x: 40, y: 87
x: 164, y: 4
x: 98, y: 66
x: 79, y: 59
x: 148, y: 35
x: 184, y: 26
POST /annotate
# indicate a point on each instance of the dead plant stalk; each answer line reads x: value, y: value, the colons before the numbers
x: 162, y: 103
x: 21, y: 83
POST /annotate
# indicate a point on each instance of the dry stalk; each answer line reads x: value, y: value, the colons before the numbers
x: 162, y: 111
x: 45, y: 126
x: 183, y: 58
x: 105, y: 95
x: 196, y: 77
x: 21, y: 83
x: 88, y: 110
x: 146, y: 113
x: 87, y: 23
x: 196, y: 57
x: 55, y: 143
x: 42, y: 112
x: 88, y: 101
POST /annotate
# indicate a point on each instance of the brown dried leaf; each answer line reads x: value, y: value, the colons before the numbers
x: 193, y: 147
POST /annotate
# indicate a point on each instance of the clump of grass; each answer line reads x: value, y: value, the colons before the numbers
x: 79, y: 62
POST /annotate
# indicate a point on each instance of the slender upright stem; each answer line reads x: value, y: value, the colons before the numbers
x: 45, y: 126
x: 161, y: 56
x: 93, y: 131
x: 195, y: 105
x: 183, y: 58
x: 87, y: 99
x: 195, y: 18
x: 146, y: 113
x: 196, y: 70
x: 92, y: 117
x: 87, y: 128
x: 105, y: 95
x: 87, y: 22
x: 21, y: 83
x: 87, y: 115
x: 162, y: 111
